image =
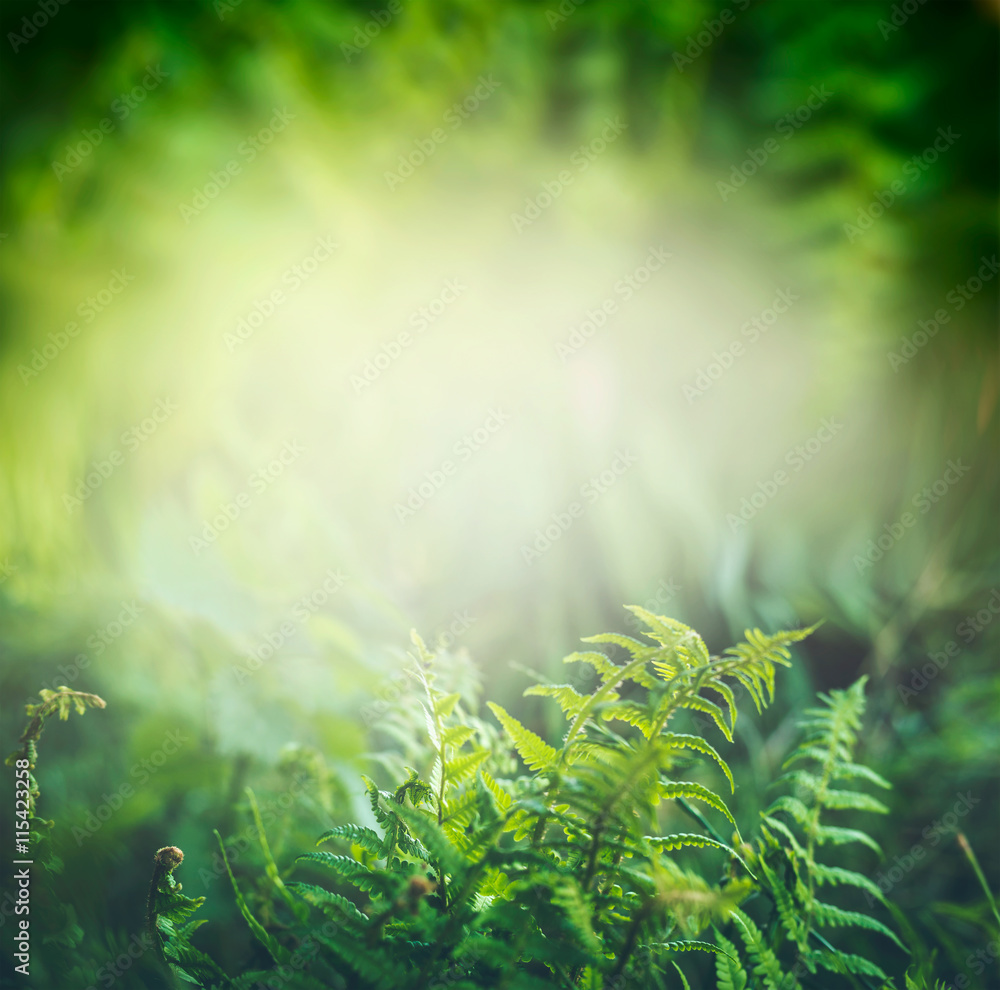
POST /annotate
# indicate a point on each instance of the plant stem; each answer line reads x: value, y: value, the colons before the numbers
x: 971, y: 857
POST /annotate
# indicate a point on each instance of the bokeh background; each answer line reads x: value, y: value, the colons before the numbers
x: 363, y: 297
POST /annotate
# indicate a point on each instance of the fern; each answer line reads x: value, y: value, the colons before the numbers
x: 561, y: 874
x: 795, y: 828
x: 167, y: 914
x: 25, y: 759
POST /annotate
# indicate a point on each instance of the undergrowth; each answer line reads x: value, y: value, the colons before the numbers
x: 555, y: 868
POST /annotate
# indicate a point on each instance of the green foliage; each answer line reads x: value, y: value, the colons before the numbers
x: 61, y: 701
x: 558, y: 874
x: 168, y: 927
x: 565, y: 873
x: 821, y: 773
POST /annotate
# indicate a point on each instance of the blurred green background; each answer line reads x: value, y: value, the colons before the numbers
x: 319, y: 317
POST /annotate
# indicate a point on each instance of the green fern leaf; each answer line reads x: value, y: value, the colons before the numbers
x: 680, y: 973
x: 630, y: 712
x: 465, y: 765
x: 445, y: 704
x: 671, y: 790
x: 845, y: 962
x: 846, y: 771
x: 278, y: 952
x: 537, y: 754
x: 835, y: 875
x: 766, y: 964
x: 567, y: 697
x: 835, y: 917
x: 358, y: 835
x: 684, y: 945
x: 502, y: 798
x: 711, y: 709
x: 351, y: 870
x: 339, y: 905
x: 458, y: 735
x: 793, y: 806
x: 678, y: 740
x: 841, y: 836
x: 600, y: 662
x: 729, y: 973
x: 854, y: 800
x: 441, y: 851
x: 633, y: 646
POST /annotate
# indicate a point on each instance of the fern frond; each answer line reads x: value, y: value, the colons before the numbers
x: 458, y: 735
x: 441, y: 852
x: 500, y: 796
x: 277, y: 951
x: 335, y: 904
x: 838, y: 836
x: 603, y: 666
x: 358, y: 835
x: 679, y: 740
x: 671, y: 790
x: 535, y: 752
x: 835, y: 875
x: 835, y: 917
x: 766, y: 964
x: 351, y: 870
x: 854, y: 800
x: 729, y: 973
x: 668, y: 843
x: 846, y: 962
x: 567, y: 697
x: 579, y: 913
x: 464, y: 766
